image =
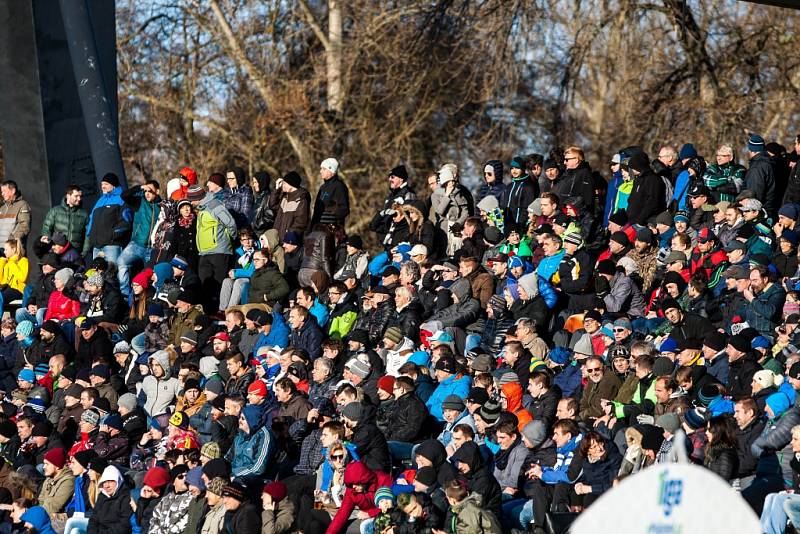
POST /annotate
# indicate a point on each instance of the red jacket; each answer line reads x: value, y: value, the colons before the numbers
x: 61, y: 308
x: 358, y: 473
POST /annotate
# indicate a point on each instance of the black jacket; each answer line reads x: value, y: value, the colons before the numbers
x: 59, y: 345
x: 318, y: 250
x: 111, y: 514
x: 407, y: 419
x: 518, y: 196
x: 97, y: 347
x: 371, y: 445
x: 760, y: 179
x: 408, y: 320
x: 333, y: 197
x: 740, y: 377
x: 745, y: 437
x: 544, y: 408
x: 692, y: 326
x: 576, y: 280
x: 479, y: 478
x: 646, y: 198
x: 244, y: 520
x: 575, y: 187
x: 601, y: 474
x: 725, y: 463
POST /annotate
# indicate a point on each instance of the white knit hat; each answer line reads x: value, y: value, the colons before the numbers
x: 331, y: 164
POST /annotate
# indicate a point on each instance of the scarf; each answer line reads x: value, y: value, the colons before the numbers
x: 186, y: 222
x: 503, y: 455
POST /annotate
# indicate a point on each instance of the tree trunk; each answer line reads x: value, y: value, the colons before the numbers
x: 333, y: 55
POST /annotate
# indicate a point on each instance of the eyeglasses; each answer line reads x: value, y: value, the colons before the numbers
x: 594, y: 370
x: 333, y: 293
x: 180, y: 477
x: 619, y: 330
x: 570, y: 159
x: 488, y: 173
x: 259, y: 259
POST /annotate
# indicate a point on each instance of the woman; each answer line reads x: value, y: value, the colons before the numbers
x: 601, y: 461
x: 184, y: 234
x: 261, y: 217
x: 235, y: 286
x: 141, y: 296
x: 8, y: 354
x: 360, y: 486
x: 721, y: 456
x: 13, y: 272
x: 785, y: 505
x: 329, y: 493
x: 59, y: 306
x: 420, y: 230
x: 84, y: 495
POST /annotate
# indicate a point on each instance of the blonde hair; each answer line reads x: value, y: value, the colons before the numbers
x: 575, y: 151
x: 16, y: 244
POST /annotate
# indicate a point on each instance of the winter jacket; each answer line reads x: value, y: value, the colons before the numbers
x: 606, y: 389
x: 308, y: 337
x: 14, y: 272
x: 452, y: 385
x: 517, y: 197
x: 342, y: 317
x: 244, y: 260
x: 291, y: 210
x: 145, y: 215
x: 170, y: 516
x: 407, y: 418
x: 479, y: 479
x: 110, y: 220
x: 624, y: 297
x: 107, y: 307
x: 508, y: 477
x: 15, y: 219
x: 745, y: 437
x: 496, y: 188
x: 760, y: 179
x: 213, y: 521
x: 61, y: 308
x: 358, y: 473
x: 267, y: 285
x: 250, y: 453
x: 601, y: 474
x: 112, y: 448
x: 239, y: 202
x: 217, y: 240
x: 97, y: 347
x: 333, y: 197
x: 370, y: 443
x: 482, y: 284
x: 723, y: 462
x: 71, y: 221
x: 468, y: 517
x: 725, y: 181
x: 160, y: 392
x: 647, y: 198
x: 740, y: 377
x: 111, y: 514
x: 280, y: 520
x: 453, y: 208
x: 765, y: 311
x: 576, y: 280
x: 382, y: 221
x: 56, y: 491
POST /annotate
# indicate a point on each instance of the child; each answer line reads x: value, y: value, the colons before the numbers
x: 384, y: 499
x: 156, y: 333
x: 468, y: 516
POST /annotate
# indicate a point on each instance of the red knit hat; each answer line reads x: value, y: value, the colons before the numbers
x: 277, y: 490
x: 143, y: 278
x: 386, y: 383
x: 157, y: 478
x: 57, y: 457
x: 259, y: 388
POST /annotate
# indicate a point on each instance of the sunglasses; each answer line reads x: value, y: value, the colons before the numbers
x: 594, y: 370
x: 337, y: 457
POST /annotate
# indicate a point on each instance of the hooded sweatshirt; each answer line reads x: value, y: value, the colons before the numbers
x: 251, y: 452
x: 160, y: 392
x: 38, y: 518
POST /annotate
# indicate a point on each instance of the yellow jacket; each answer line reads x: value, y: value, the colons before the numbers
x: 14, y: 272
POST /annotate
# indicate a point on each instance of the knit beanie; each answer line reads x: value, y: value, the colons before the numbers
x: 386, y: 383
x: 277, y: 490
x: 157, y: 478
x: 778, y: 402
x: 358, y: 367
x: 393, y: 334
x: 64, y: 275
x: 293, y: 179
x: 195, y: 478
x: 143, y: 278
x: 111, y: 179
x: 57, y: 457
x: 127, y: 401
x: 670, y: 422
x: 535, y: 432
x: 25, y: 328
x: 216, y: 485
x: 353, y: 411
x: 383, y: 493
x: 490, y: 412
x: 210, y: 450
x: 766, y: 378
x: 27, y: 375
x: 652, y: 437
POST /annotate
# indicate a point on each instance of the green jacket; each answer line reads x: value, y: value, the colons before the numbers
x: 469, y: 518
x: 640, y: 403
x: 69, y: 221
x: 57, y: 491
x: 267, y: 285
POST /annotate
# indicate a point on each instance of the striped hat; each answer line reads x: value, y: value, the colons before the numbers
x: 383, y: 493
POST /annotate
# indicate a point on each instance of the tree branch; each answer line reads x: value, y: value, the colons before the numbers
x: 311, y: 20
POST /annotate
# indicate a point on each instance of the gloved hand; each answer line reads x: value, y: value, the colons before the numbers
x: 644, y: 419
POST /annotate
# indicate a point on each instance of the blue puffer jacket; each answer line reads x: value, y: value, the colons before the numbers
x: 569, y: 379
x: 547, y: 292
x: 455, y: 385
x: 564, y: 455
x: 549, y: 265
x: 251, y: 452
x: 278, y: 335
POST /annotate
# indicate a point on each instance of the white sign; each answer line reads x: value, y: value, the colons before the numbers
x: 669, y: 499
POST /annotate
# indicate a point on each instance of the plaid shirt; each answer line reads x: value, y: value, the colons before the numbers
x: 239, y: 202
x: 310, y: 452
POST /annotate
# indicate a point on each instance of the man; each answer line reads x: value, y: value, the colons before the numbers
x: 644, y: 398
x: 481, y: 282
x: 144, y: 201
x: 750, y: 427
x: 518, y: 194
x: 517, y: 358
x: 760, y: 176
x: 70, y: 219
x: 93, y: 344
x: 184, y: 318
x: 99, y: 377
x: 333, y: 195
x: 708, y: 258
x: 716, y: 359
x: 362, y: 432
x: 699, y: 198
x: 112, y: 441
x: 110, y: 221
x: 742, y: 366
x: 602, y: 385
x: 400, y: 192
x: 58, y: 485
x: 294, y: 406
x: 252, y: 447
x: 451, y: 382
x: 647, y: 198
x: 216, y: 229
x: 267, y: 284
x: 668, y: 157
x: 725, y: 178
x: 765, y: 302
x: 407, y: 416
x: 343, y: 310
x: 15, y: 213
x: 305, y: 334
x: 238, y: 196
x: 545, y: 401
x: 685, y: 325
x: 241, y: 376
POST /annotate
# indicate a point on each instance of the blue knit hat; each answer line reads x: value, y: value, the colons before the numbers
x: 559, y: 355
x: 383, y: 493
x: 681, y: 216
x: 720, y: 405
x: 687, y: 151
x: 27, y: 375
x: 778, y: 402
x: 515, y: 261
x: 760, y: 342
x: 421, y: 358
x: 756, y: 143
x: 669, y: 345
x: 25, y: 328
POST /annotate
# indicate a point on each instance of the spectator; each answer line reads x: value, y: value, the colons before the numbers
x: 69, y: 219
x: 145, y: 203
x: 333, y: 196
x: 110, y: 221
x: 238, y: 196
x: 291, y: 204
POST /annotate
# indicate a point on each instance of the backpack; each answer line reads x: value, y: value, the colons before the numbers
x: 207, y: 226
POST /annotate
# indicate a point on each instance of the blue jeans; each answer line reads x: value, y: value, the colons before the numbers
x: 471, y: 341
x: 512, y: 510
x: 76, y: 525
x: 400, y: 450
x: 132, y: 252
x: 110, y: 253
x: 24, y: 315
x: 774, y: 517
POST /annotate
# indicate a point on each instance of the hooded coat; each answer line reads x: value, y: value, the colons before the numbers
x: 160, y: 392
x: 496, y: 188
x: 251, y: 452
x: 38, y: 518
x: 111, y: 512
x: 358, y: 473
x: 370, y: 443
x: 480, y: 480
